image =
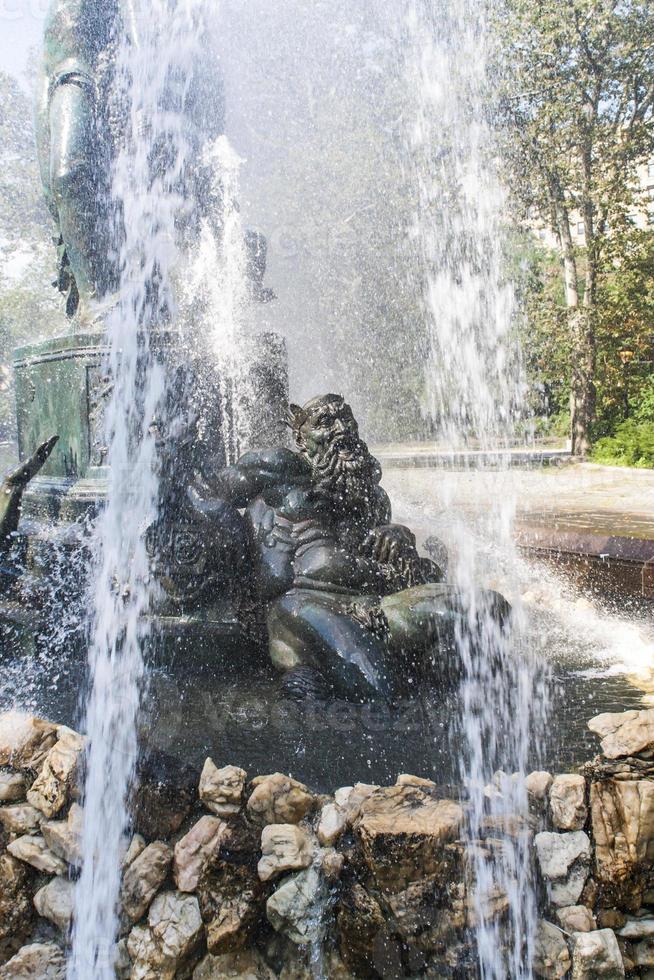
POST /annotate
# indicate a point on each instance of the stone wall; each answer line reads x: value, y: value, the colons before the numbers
x: 262, y: 878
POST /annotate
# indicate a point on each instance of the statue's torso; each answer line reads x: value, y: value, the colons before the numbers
x: 77, y: 32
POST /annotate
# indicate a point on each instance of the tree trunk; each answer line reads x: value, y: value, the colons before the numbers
x: 582, y: 389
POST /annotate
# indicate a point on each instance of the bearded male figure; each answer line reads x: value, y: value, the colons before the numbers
x: 348, y: 600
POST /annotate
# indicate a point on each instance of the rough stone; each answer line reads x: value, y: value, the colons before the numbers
x: 40, y: 961
x: 231, y: 901
x: 333, y: 821
x: 246, y: 965
x: 355, y: 797
x: 54, y: 785
x: 136, y: 846
x: 568, y: 802
x: 143, y: 878
x: 221, y: 790
x: 637, y: 928
x: 24, y: 740
x: 332, y: 863
x: 294, y: 909
x: 279, y: 799
x: 564, y: 861
x: 576, y: 918
x: 402, y: 832
x: 55, y: 902
x: 64, y: 837
x: 406, y: 779
x: 342, y: 795
x: 551, y: 954
x: 195, y: 850
x: 35, y: 851
x: 595, y: 955
x: 16, y: 911
x: 538, y: 785
x: 173, y: 934
x: 644, y: 953
x: 13, y: 787
x: 362, y: 929
x: 284, y: 847
x: 625, y: 734
x: 622, y: 815
x: 21, y: 819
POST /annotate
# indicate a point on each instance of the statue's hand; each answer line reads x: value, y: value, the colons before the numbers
x: 389, y: 542
x: 28, y: 470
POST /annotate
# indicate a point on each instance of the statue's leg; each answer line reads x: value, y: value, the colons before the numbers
x: 78, y: 179
x: 311, y: 628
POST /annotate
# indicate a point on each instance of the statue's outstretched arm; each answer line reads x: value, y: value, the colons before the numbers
x: 255, y: 473
x: 13, y: 487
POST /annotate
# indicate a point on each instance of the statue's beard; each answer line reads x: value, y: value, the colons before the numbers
x: 344, y: 472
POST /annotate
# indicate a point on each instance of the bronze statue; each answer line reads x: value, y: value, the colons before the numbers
x: 13, y: 488
x: 346, y: 594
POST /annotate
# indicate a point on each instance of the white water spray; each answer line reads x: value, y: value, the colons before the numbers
x: 474, y: 393
x: 158, y: 46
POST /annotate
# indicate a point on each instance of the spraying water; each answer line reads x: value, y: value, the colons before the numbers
x: 158, y: 49
x: 474, y: 393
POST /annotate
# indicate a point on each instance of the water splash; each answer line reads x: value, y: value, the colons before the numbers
x: 474, y: 392
x: 158, y: 47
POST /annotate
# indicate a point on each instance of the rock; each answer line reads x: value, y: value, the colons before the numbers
x: 13, y: 787
x: 161, y: 796
x: 538, y: 785
x: 551, y: 954
x: 564, y: 861
x: 195, y: 850
x: 40, y: 961
x: 331, y: 863
x: 622, y: 814
x: 279, y: 799
x: 54, y: 785
x: 21, y: 819
x: 247, y: 965
x: 430, y: 914
x: 404, y: 779
x: 136, y: 846
x: 24, y: 740
x: 568, y: 802
x: 576, y: 918
x: 362, y: 929
x: 626, y: 733
x: 611, y: 919
x: 295, y: 908
x: 402, y: 832
x: 231, y: 901
x: 596, y: 954
x: 342, y: 795
x: 172, y: 936
x: 35, y: 851
x: 221, y: 790
x: 16, y: 910
x: 55, y: 902
x: 644, y: 953
x: 333, y: 821
x: 143, y: 878
x: 284, y: 847
x: 355, y: 797
x: 637, y: 928
x: 64, y: 837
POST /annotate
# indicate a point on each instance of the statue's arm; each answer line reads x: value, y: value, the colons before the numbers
x: 13, y: 487
x: 256, y: 472
x: 386, y: 541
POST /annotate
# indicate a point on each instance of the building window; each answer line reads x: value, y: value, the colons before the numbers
x: 580, y: 228
x: 650, y: 169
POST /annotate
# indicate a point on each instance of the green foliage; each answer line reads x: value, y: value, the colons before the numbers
x: 631, y: 445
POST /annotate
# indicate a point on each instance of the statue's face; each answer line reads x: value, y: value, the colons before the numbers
x: 329, y: 425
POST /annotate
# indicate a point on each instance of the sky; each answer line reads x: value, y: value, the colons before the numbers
x: 21, y: 24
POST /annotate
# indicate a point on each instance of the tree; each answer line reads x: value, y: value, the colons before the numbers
x: 578, y: 80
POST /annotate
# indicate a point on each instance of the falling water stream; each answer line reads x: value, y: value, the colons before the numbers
x: 475, y: 395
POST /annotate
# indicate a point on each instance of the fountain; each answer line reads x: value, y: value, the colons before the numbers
x: 218, y: 571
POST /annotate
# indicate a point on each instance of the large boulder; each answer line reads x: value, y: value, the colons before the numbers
x: 568, y: 802
x: 231, y: 901
x: 626, y: 733
x: 622, y: 813
x: 294, y: 909
x: 40, y: 961
x: 170, y: 940
x: 247, y: 965
x: 20, y: 819
x: 403, y: 832
x: 279, y: 799
x: 143, y: 878
x: 194, y: 851
x: 24, y: 740
x: 332, y: 824
x: 564, y: 861
x: 284, y: 847
x: 13, y: 787
x: 595, y: 955
x: 363, y: 933
x: 222, y: 790
x: 57, y: 780
x: 576, y: 918
x: 35, y: 852
x: 55, y: 902
x: 551, y: 954
x: 16, y: 911
x: 64, y: 837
